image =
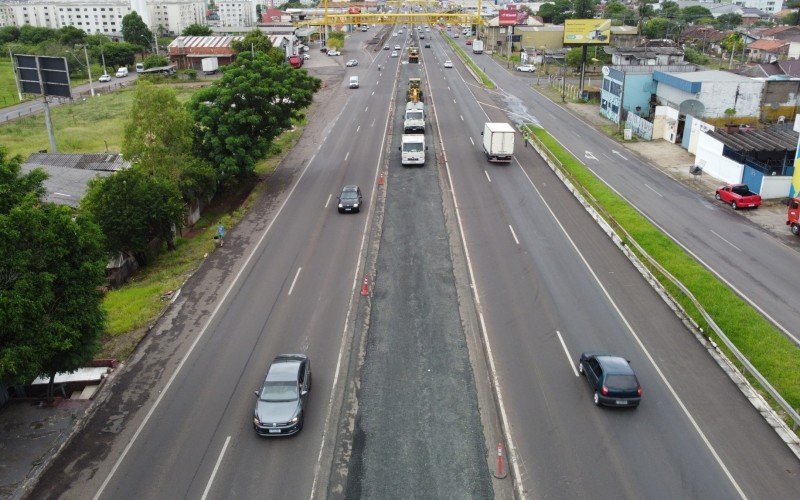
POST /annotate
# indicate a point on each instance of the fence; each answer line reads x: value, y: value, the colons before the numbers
x: 639, y: 126
x: 620, y: 231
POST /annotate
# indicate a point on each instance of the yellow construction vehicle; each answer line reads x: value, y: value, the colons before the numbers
x: 413, y: 54
x: 414, y: 90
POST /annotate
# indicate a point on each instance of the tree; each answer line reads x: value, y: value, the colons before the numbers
x: 728, y: 21
x: 16, y: 187
x: 136, y: 32
x: 732, y: 43
x: 132, y: 208
x: 695, y: 12
x: 574, y: 57
x: 658, y: 27
x: 694, y: 56
x: 32, y: 35
x: 583, y: 9
x: 555, y: 12
x: 155, y: 61
x: 237, y: 117
x: 670, y: 10
x: 9, y: 34
x: 794, y: 17
x: 256, y: 41
x: 198, y: 30
x: 336, y: 40
x: 71, y: 36
x: 116, y: 53
x: 52, y: 265
x: 617, y: 11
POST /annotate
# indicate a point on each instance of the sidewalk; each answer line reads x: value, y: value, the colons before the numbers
x: 675, y: 162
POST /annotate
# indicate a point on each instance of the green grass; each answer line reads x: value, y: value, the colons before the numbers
x: 90, y: 126
x: 487, y: 82
x: 768, y: 350
x: 8, y: 89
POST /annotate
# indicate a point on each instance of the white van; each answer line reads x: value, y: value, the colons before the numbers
x: 353, y: 82
x: 412, y: 149
x: 122, y: 72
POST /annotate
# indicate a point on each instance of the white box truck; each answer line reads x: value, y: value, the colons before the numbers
x: 477, y: 46
x: 414, y: 119
x: 210, y: 65
x: 498, y: 142
x: 412, y: 150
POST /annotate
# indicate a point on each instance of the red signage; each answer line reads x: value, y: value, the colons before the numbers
x: 508, y: 17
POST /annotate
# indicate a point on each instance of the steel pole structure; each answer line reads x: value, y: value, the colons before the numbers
x: 47, y: 119
x: 89, y: 69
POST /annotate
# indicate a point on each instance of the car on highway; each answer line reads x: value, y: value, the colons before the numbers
x: 455, y: 35
x: 427, y: 45
x: 350, y: 200
x: 283, y: 396
x: 448, y: 64
x: 385, y: 47
x: 527, y: 68
x: 611, y: 378
x: 396, y: 47
x: 351, y: 63
x: 334, y: 52
x: 394, y: 53
x: 105, y: 77
x: 468, y: 42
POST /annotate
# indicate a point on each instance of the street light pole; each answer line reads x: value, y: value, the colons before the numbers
x: 89, y: 69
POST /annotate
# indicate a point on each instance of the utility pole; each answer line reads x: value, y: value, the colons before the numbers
x: 89, y: 69
x: 103, y: 58
x: 47, y: 119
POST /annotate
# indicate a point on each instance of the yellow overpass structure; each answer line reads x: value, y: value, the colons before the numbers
x: 341, y: 18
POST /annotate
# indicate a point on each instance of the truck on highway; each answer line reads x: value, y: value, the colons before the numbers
x: 738, y: 196
x: 414, y: 93
x: 477, y: 47
x: 159, y: 70
x: 210, y: 65
x: 498, y: 142
x: 793, y: 216
x: 412, y: 149
x: 414, y: 119
x: 413, y: 55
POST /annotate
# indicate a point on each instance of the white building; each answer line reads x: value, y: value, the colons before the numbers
x: 237, y: 13
x: 102, y: 16
x: 719, y: 7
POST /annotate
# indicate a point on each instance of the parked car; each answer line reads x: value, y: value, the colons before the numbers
x: 528, y: 68
x: 105, y: 77
x: 334, y: 52
x: 611, y: 378
x: 283, y: 396
x: 351, y: 62
x: 738, y: 196
x: 323, y: 49
x: 468, y: 42
x: 306, y: 56
x: 448, y: 64
x: 350, y: 199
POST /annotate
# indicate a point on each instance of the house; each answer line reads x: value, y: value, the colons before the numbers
x: 188, y: 51
x: 767, y: 50
x: 780, y: 32
x: 785, y: 69
x: 630, y: 89
x: 705, y: 38
x: 651, y: 53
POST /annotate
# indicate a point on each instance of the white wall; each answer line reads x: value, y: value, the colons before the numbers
x: 699, y: 128
x: 717, y: 96
x: 794, y: 50
x: 776, y: 186
x: 665, y: 124
x: 709, y: 156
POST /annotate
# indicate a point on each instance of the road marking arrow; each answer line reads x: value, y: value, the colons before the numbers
x: 617, y: 153
x: 590, y: 156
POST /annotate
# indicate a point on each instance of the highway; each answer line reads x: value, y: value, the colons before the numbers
x: 548, y: 283
x: 750, y: 261
x: 551, y: 285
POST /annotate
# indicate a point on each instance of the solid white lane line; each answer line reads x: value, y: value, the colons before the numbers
x: 216, y: 468
x: 513, y: 234
x: 470, y: 140
x: 328, y: 200
x: 487, y: 176
x: 365, y: 109
x: 653, y: 190
x: 294, y: 280
x: 347, y: 156
x: 726, y: 241
x: 462, y: 118
x: 454, y: 101
x: 630, y: 329
x: 566, y: 351
x: 358, y: 128
x: 373, y: 92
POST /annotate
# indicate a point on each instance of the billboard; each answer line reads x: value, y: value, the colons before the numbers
x: 587, y: 31
x: 508, y: 17
x: 52, y: 70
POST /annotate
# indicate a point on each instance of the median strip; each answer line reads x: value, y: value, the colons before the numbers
x: 479, y: 74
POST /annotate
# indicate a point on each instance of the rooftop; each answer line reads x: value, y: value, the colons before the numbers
x: 710, y: 76
x: 767, y: 45
x: 751, y: 140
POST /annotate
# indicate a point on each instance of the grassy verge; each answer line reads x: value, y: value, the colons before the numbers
x: 766, y: 348
x: 8, y: 89
x: 487, y: 82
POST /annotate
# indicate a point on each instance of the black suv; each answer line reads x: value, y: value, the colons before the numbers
x: 350, y: 200
x: 612, y: 379
x: 283, y: 396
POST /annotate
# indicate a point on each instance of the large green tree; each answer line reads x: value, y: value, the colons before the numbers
x: 659, y: 27
x: 615, y: 10
x: 693, y: 13
x: 52, y: 265
x: 555, y: 12
x: 583, y: 9
x: 32, y: 35
x: 257, y: 41
x: 728, y: 21
x: 197, y: 30
x: 133, y: 208
x: 237, y: 117
x: 71, y: 36
x: 116, y: 53
x: 16, y: 187
x: 135, y: 31
x: 155, y: 61
x: 670, y: 10
x: 9, y: 34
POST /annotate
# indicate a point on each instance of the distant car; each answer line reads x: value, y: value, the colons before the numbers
x: 122, y: 72
x: 306, y: 56
x: 385, y: 47
x: 448, y: 64
x: 455, y: 35
x: 394, y: 53
x: 351, y: 62
x: 611, y: 378
x: 334, y: 53
x: 528, y: 68
x: 105, y: 77
x: 396, y: 47
x: 427, y: 45
x: 323, y: 49
x: 350, y: 199
x: 283, y: 396
x: 468, y: 42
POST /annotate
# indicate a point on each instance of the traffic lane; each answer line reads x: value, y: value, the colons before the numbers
x: 726, y: 418
x: 761, y: 280
x: 284, y: 271
x: 564, y: 298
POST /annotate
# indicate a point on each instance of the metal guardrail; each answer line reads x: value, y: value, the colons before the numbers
x: 749, y: 368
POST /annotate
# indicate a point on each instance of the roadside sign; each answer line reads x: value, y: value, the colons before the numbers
x: 33, y: 71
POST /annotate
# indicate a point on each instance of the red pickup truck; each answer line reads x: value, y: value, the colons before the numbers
x: 738, y: 196
x: 793, y: 216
